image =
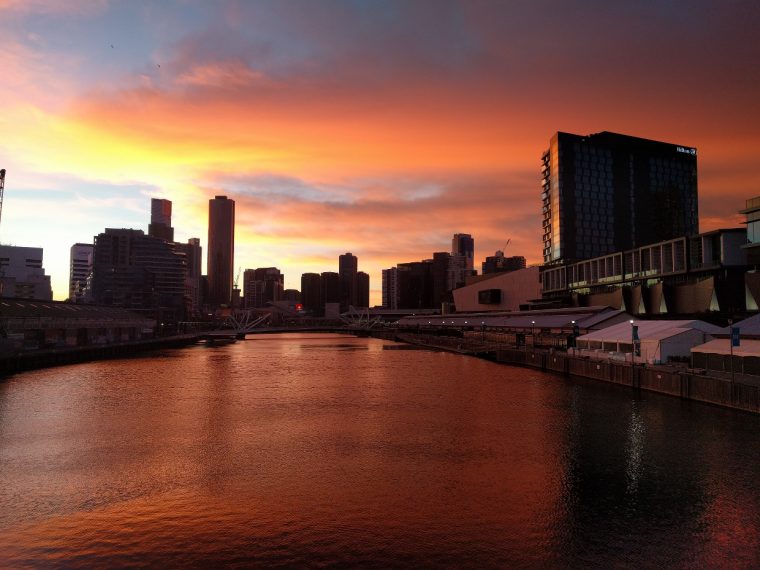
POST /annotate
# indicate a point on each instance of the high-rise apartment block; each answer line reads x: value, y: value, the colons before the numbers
x: 347, y: 269
x: 330, y: 287
x: 193, y: 282
x: 22, y: 275
x: 464, y: 245
x: 608, y: 192
x: 138, y: 272
x: 221, y: 250
x: 390, y: 288
x: 80, y: 267
x: 161, y: 219
x: 262, y: 286
x: 362, y: 289
x: 311, y: 293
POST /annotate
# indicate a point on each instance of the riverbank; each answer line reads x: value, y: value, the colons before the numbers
x: 663, y: 379
x: 32, y: 360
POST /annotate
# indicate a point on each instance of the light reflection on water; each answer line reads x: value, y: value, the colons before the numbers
x: 322, y: 449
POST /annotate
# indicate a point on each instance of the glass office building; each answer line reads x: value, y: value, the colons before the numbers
x: 609, y: 192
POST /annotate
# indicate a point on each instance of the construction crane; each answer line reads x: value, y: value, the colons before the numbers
x: 2, y: 190
x: 237, y: 278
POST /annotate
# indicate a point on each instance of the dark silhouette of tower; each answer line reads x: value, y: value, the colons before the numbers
x: 221, y: 250
x: 161, y: 219
x: 347, y: 268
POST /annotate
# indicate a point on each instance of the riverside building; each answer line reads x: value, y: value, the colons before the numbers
x: 608, y: 192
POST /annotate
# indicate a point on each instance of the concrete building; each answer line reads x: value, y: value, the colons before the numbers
x: 609, y: 192
x: 311, y: 294
x: 80, y: 267
x: 138, y: 272
x: 464, y: 245
x: 32, y: 325
x: 193, y: 283
x: 686, y: 275
x: 499, y: 291
x: 22, y: 275
x: 362, y: 289
x: 262, y: 287
x: 330, y: 290
x: 347, y: 269
x: 221, y: 250
x: 390, y: 288
x: 497, y: 263
x: 458, y: 271
x: 161, y: 219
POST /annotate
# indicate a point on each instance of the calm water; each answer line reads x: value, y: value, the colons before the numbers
x: 328, y: 450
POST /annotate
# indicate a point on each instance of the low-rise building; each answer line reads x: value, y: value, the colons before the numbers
x: 498, y: 291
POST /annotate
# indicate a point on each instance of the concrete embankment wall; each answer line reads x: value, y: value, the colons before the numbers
x: 682, y: 384
x: 661, y: 379
x: 19, y: 362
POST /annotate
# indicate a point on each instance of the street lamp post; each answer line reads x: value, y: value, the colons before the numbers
x: 533, y: 332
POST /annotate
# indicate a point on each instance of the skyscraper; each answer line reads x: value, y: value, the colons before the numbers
x: 463, y: 244
x: 347, y: 268
x: 311, y: 294
x: 608, y: 192
x: 362, y: 289
x: 221, y: 250
x: 161, y: 219
x: 80, y: 267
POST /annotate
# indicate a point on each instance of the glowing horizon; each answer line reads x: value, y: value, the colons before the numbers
x: 376, y: 128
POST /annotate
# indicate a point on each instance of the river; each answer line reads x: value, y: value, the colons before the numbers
x: 292, y: 450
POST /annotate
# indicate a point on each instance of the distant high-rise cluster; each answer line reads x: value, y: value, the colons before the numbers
x: 428, y: 284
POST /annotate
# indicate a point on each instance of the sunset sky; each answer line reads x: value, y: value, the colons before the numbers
x: 380, y: 128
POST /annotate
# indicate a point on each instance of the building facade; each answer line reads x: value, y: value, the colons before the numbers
x: 22, y: 275
x: 347, y: 269
x: 682, y: 276
x: 390, y: 288
x: 193, y: 283
x: 497, y: 263
x: 464, y: 245
x: 221, y: 250
x: 262, y: 287
x: 134, y: 271
x: 80, y: 267
x: 161, y: 219
x: 362, y: 289
x: 311, y: 294
x: 609, y: 192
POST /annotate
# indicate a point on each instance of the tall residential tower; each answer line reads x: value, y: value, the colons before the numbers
x: 221, y: 250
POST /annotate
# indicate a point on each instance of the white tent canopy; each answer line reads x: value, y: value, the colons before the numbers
x: 660, y: 340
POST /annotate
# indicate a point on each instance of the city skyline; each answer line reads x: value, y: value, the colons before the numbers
x: 382, y: 130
